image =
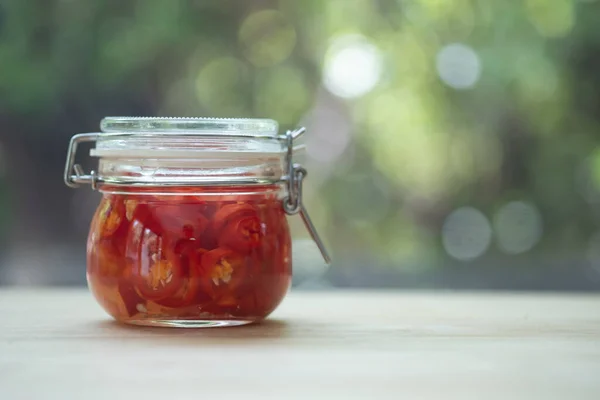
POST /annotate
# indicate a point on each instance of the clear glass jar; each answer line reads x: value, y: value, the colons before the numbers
x: 191, y: 230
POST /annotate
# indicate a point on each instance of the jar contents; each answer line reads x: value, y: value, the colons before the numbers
x: 189, y: 255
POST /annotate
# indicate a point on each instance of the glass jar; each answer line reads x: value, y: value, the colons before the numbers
x: 191, y: 230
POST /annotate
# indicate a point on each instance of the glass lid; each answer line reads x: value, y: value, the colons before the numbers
x: 245, y: 127
x: 195, y: 138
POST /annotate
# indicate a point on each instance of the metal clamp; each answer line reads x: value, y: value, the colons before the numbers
x: 292, y: 204
x: 74, y: 177
x: 79, y: 177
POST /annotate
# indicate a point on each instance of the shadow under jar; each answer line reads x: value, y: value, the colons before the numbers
x: 191, y: 230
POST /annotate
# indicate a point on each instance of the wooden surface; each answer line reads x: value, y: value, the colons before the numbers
x: 58, y: 344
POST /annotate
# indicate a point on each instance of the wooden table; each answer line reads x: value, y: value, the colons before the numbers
x: 58, y: 344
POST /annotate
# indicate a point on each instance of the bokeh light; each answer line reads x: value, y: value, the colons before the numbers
x: 282, y: 94
x: 360, y: 189
x: 267, y: 38
x: 518, y: 227
x: 329, y: 136
x: 458, y: 66
x: 466, y: 233
x: 407, y: 145
x: 353, y: 66
x: 537, y: 78
x: 218, y: 86
x: 551, y: 18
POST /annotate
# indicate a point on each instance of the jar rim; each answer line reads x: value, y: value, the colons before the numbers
x: 200, y: 126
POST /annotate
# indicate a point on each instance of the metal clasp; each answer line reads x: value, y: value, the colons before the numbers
x: 74, y: 175
x: 292, y: 204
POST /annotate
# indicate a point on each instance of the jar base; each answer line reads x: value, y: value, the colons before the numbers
x: 189, y: 323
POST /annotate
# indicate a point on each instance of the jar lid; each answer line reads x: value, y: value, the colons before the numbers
x: 246, y: 127
x: 160, y: 138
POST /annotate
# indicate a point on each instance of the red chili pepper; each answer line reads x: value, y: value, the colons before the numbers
x: 231, y: 212
x: 130, y: 297
x: 187, y: 254
x: 241, y: 234
x: 186, y: 220
x: 221, y: 270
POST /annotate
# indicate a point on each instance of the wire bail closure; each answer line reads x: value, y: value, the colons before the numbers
x: 79, y: 178
x: 292, y: 204
x: 74, y: 177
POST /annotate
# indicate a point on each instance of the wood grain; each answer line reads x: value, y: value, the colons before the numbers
x: 58, y: 344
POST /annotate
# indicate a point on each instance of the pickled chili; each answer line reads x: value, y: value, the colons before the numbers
x: 189, y: 254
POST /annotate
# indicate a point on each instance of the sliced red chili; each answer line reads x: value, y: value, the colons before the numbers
x: 209, y: 208
x: 230, y: 212
x: 158, y: 280
x: 156, y: 275
x: 241, y: 234
x: 185, y: 220
x: 221, y: 270
x: 208, y: 240
x: 130, y: 297
x: 105, y: 260
x: 186, y: 253
x: 110, y: 216
x: 184, y: 296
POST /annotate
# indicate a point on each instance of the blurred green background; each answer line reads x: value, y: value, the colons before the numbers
x: 451, y: 144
